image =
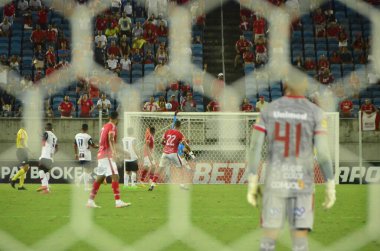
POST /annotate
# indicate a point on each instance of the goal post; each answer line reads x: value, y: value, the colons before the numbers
x: 220, y: 142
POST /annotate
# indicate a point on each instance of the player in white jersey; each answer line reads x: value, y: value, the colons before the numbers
x: 82, y: 144
x: 130, y: 159
x: 292, y: 126
x: 49, y: 148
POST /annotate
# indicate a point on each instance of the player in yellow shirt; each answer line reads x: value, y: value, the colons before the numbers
x: 22, y: 156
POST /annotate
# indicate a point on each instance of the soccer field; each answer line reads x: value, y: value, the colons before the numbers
x: 221, y: 211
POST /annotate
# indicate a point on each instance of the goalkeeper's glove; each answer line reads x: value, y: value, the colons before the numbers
x: 253, y: 188
x: 330, y: 197
x: 192, y: 154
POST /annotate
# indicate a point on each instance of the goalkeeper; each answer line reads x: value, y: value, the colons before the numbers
x: 293, y: 125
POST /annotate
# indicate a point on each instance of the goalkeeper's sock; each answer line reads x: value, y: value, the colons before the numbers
x: 133, y: 178
x: 126, y: 179
x: 300, y: 244
x: 18, y: 174
x: 267, y: 244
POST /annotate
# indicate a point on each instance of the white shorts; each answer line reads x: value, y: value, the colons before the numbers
x: 106, y: 167
x: 147, y: 162
x: 168, y: 158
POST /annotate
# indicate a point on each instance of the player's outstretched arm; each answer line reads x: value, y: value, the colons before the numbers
x: 254, y: 157
x: 324, y: 160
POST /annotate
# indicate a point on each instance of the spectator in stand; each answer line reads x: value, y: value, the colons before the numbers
x: 244, y: 24
x: 323, y: 62
x: 162, y: 55
x: 261, y: 50
x: 127, y: 8
x: 101, y: 23
x: 309, y: 64
x: 261, y: 104
x: 162, y: 31
x: 100, y: 37
x: 149, y: 25
x: 345, y: 56
x: 138, y: 30
x: 104, y: 105
x: 23, y: 6
x: 39, y: 57
x: 359, y: 44
x: 136, y: 57
x: 100, y: 54
x: 325, y: 77
x: 246, y: 106
x: 63, y: 53
x: 346, y: 108
x: 298, y: 62
x: 150, y: 37
x: 5, y: 28
x: 342, y: 39
x: 43, y: 17
x: 116, y: 6
x: 124, y: 48
x: 50, y: 57
x: 217, y: 86
x: 14, y: 63
x: 125, y: 63
x: 149, y: 57
x: 112, y: 32
x: 354, y: 83
x: 125, y: 24
x: 7, y: 103
x: 51, y: 36
x: 114, y: 49
x: 213, y: 106
x: 138, y: 43
x: 86, y: 106
x: 335, y: 58
x: 319, y: 19
x: 161, y: 104
x: 248, y: 57
x: 197, y: 40
x: 151, y: 105
x: 189, y: 105
x: 28, y: 21
x: 333, y: 29
x: 259, y: 27
x: 113, y: 63
x: 35, y: 5
x: 240, y: 47
x: 66, y: 108
x: 368, y: 109
x: 9, y: 12
x: 174, y: 103
x: 38, y: 36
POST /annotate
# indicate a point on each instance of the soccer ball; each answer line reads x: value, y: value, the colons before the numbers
x: 168, y: 106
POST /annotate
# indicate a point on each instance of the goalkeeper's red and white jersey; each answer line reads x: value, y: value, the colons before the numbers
x: 290, y: 124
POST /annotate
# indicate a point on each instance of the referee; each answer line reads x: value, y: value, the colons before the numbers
x: 22, y: 156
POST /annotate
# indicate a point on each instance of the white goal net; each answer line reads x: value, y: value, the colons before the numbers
x: 220, y: 142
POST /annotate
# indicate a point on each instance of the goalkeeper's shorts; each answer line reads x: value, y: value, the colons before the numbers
x: 299, y: 211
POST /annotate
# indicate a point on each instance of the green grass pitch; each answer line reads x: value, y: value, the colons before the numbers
x: 219, y: 210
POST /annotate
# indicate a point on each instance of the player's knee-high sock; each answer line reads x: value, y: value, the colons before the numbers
x: 42, y: 177
x: 300, y: 244
x: 133, y: 178
x: 47, y: 176
x: 20, y: 173
x: 116, y: 191
x: 143, y: 174
x: 86, y: 179
x: 154, y: 179
x: 95, y: 189
x: 267, y: 244
x: 126, y: 179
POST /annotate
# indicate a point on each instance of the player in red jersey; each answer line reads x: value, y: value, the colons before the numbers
x: 148, y: 153
x: 106, y: 164
x: 171, y: 139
